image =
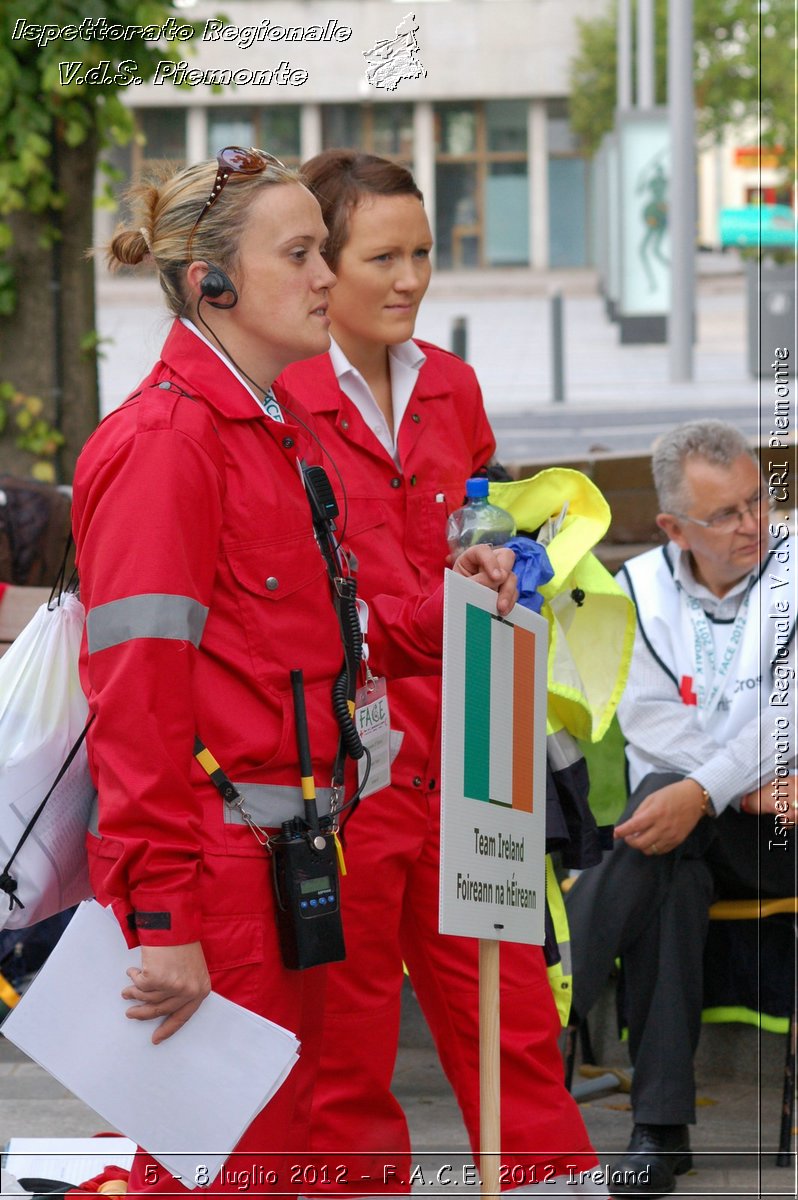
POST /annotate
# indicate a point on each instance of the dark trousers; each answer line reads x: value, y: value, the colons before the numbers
x: 653, y: 912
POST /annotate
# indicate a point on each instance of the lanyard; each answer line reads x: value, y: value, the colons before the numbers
x: 704, y: 651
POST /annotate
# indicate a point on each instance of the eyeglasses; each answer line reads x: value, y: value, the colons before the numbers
x: 730, y: 519
x: 233, y: 160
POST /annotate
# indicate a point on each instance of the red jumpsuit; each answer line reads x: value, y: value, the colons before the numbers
x: 201, y: 576
x: 396, y: 527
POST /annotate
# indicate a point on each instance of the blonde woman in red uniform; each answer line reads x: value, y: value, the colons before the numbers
x: 201, y: 576
x: 404, y: 423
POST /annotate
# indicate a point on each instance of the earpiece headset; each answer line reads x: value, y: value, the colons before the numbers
x: 215, y: 284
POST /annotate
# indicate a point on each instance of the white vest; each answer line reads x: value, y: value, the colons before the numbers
x: 728, y: 686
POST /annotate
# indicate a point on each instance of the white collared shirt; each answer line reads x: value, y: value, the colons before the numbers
x: 719, y: 608
x: 666, y: 734
x: 268, y: 404
x: 405, y: 362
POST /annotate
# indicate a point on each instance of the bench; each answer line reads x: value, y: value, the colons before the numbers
x: 625, y: 482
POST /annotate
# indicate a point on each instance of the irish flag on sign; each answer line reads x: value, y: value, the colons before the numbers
x: 499, y: 719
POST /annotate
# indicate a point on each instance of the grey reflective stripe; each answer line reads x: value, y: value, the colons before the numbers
x: 562, y: 750
x: 565, y: 958
x: 269, y: 804
x: 153, y: 615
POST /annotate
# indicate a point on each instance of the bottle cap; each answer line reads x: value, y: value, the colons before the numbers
x: 477, y: 487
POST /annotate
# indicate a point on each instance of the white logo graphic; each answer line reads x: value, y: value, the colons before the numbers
x: 391, y: 60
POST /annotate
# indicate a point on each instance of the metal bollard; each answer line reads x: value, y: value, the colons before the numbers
x: 557, y: 349
x: 460, y: 337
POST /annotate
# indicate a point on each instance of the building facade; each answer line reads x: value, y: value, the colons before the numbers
x: 479, y: 112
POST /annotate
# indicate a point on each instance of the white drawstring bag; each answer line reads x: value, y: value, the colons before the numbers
x: 43, y: 714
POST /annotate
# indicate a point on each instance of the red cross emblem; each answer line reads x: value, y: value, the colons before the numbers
x: 686, y: 690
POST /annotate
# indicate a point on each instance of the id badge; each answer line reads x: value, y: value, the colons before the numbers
x: 373, y: 723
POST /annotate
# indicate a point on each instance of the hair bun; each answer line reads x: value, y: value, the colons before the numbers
x: 128, y: 247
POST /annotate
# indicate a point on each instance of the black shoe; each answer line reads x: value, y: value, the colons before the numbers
x: 655, y: 1156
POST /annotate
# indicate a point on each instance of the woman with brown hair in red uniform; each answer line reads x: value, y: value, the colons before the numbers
x: 404, y: 422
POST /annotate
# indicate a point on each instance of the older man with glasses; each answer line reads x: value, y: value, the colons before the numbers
x: 712, y: 805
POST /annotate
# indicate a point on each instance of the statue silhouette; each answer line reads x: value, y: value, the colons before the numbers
x: 654, y: 214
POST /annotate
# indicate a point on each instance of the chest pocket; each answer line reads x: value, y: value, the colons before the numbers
x: 428, y: 518
x: 365, y: 530
x: 283, y: 588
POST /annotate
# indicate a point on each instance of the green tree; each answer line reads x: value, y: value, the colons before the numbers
x: 54, y: 125
x: 744, y: 63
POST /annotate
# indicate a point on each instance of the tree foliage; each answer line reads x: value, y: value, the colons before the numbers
x: 744, y: 69
x: 53, y: 130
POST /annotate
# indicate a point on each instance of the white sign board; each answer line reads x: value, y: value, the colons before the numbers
x: 493, y: 781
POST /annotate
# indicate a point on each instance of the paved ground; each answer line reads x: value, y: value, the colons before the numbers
x: 617, y: 397
x: 740, y: 1090
x: 739, y: 1077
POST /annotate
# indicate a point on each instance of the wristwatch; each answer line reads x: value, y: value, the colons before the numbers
x: 707, y: 807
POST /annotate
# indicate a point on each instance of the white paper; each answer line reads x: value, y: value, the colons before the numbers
x: 70, y: 1160
x: 188, y: 1100
x: 551, y: 527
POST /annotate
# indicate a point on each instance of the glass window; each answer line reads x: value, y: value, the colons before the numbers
x: 274, y: 129
x: 278, y: 131
x: 561, y: 137
x: 165, y: 132
x: 393, y: 131
x: 456, y: 128
x: 507, y: 215
x: 385, y: 129
x: 229, y: 127
x: 780, y: 194
x: 482, y: 201
x: 506, y: 123
x: 567, y: 212
x: 342, y: 125
x: 457, y: 219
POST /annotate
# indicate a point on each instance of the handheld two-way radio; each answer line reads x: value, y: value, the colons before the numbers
x: 306, y: 868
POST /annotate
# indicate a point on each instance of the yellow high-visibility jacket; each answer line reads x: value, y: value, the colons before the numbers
x: 591, y: 619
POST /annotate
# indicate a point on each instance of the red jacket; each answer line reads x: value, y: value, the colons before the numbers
x: 396, y: 523
x: 203, y: 587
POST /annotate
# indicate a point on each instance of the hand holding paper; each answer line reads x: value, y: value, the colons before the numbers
x: 72, y: 1022
x: 171, y: 982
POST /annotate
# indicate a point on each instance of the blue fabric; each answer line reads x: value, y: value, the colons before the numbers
x: 532, y: 568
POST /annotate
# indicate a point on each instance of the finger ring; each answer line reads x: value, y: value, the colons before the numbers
x: 653, y: 848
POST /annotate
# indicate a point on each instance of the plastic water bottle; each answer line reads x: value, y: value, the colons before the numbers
x: 478, y: 520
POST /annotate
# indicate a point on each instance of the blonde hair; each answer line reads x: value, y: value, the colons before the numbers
x: 164, y: 210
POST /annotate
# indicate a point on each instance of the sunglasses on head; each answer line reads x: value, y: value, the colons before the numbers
x: 234, y: 160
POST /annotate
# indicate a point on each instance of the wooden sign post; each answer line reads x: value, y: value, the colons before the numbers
x: 493, y: 800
